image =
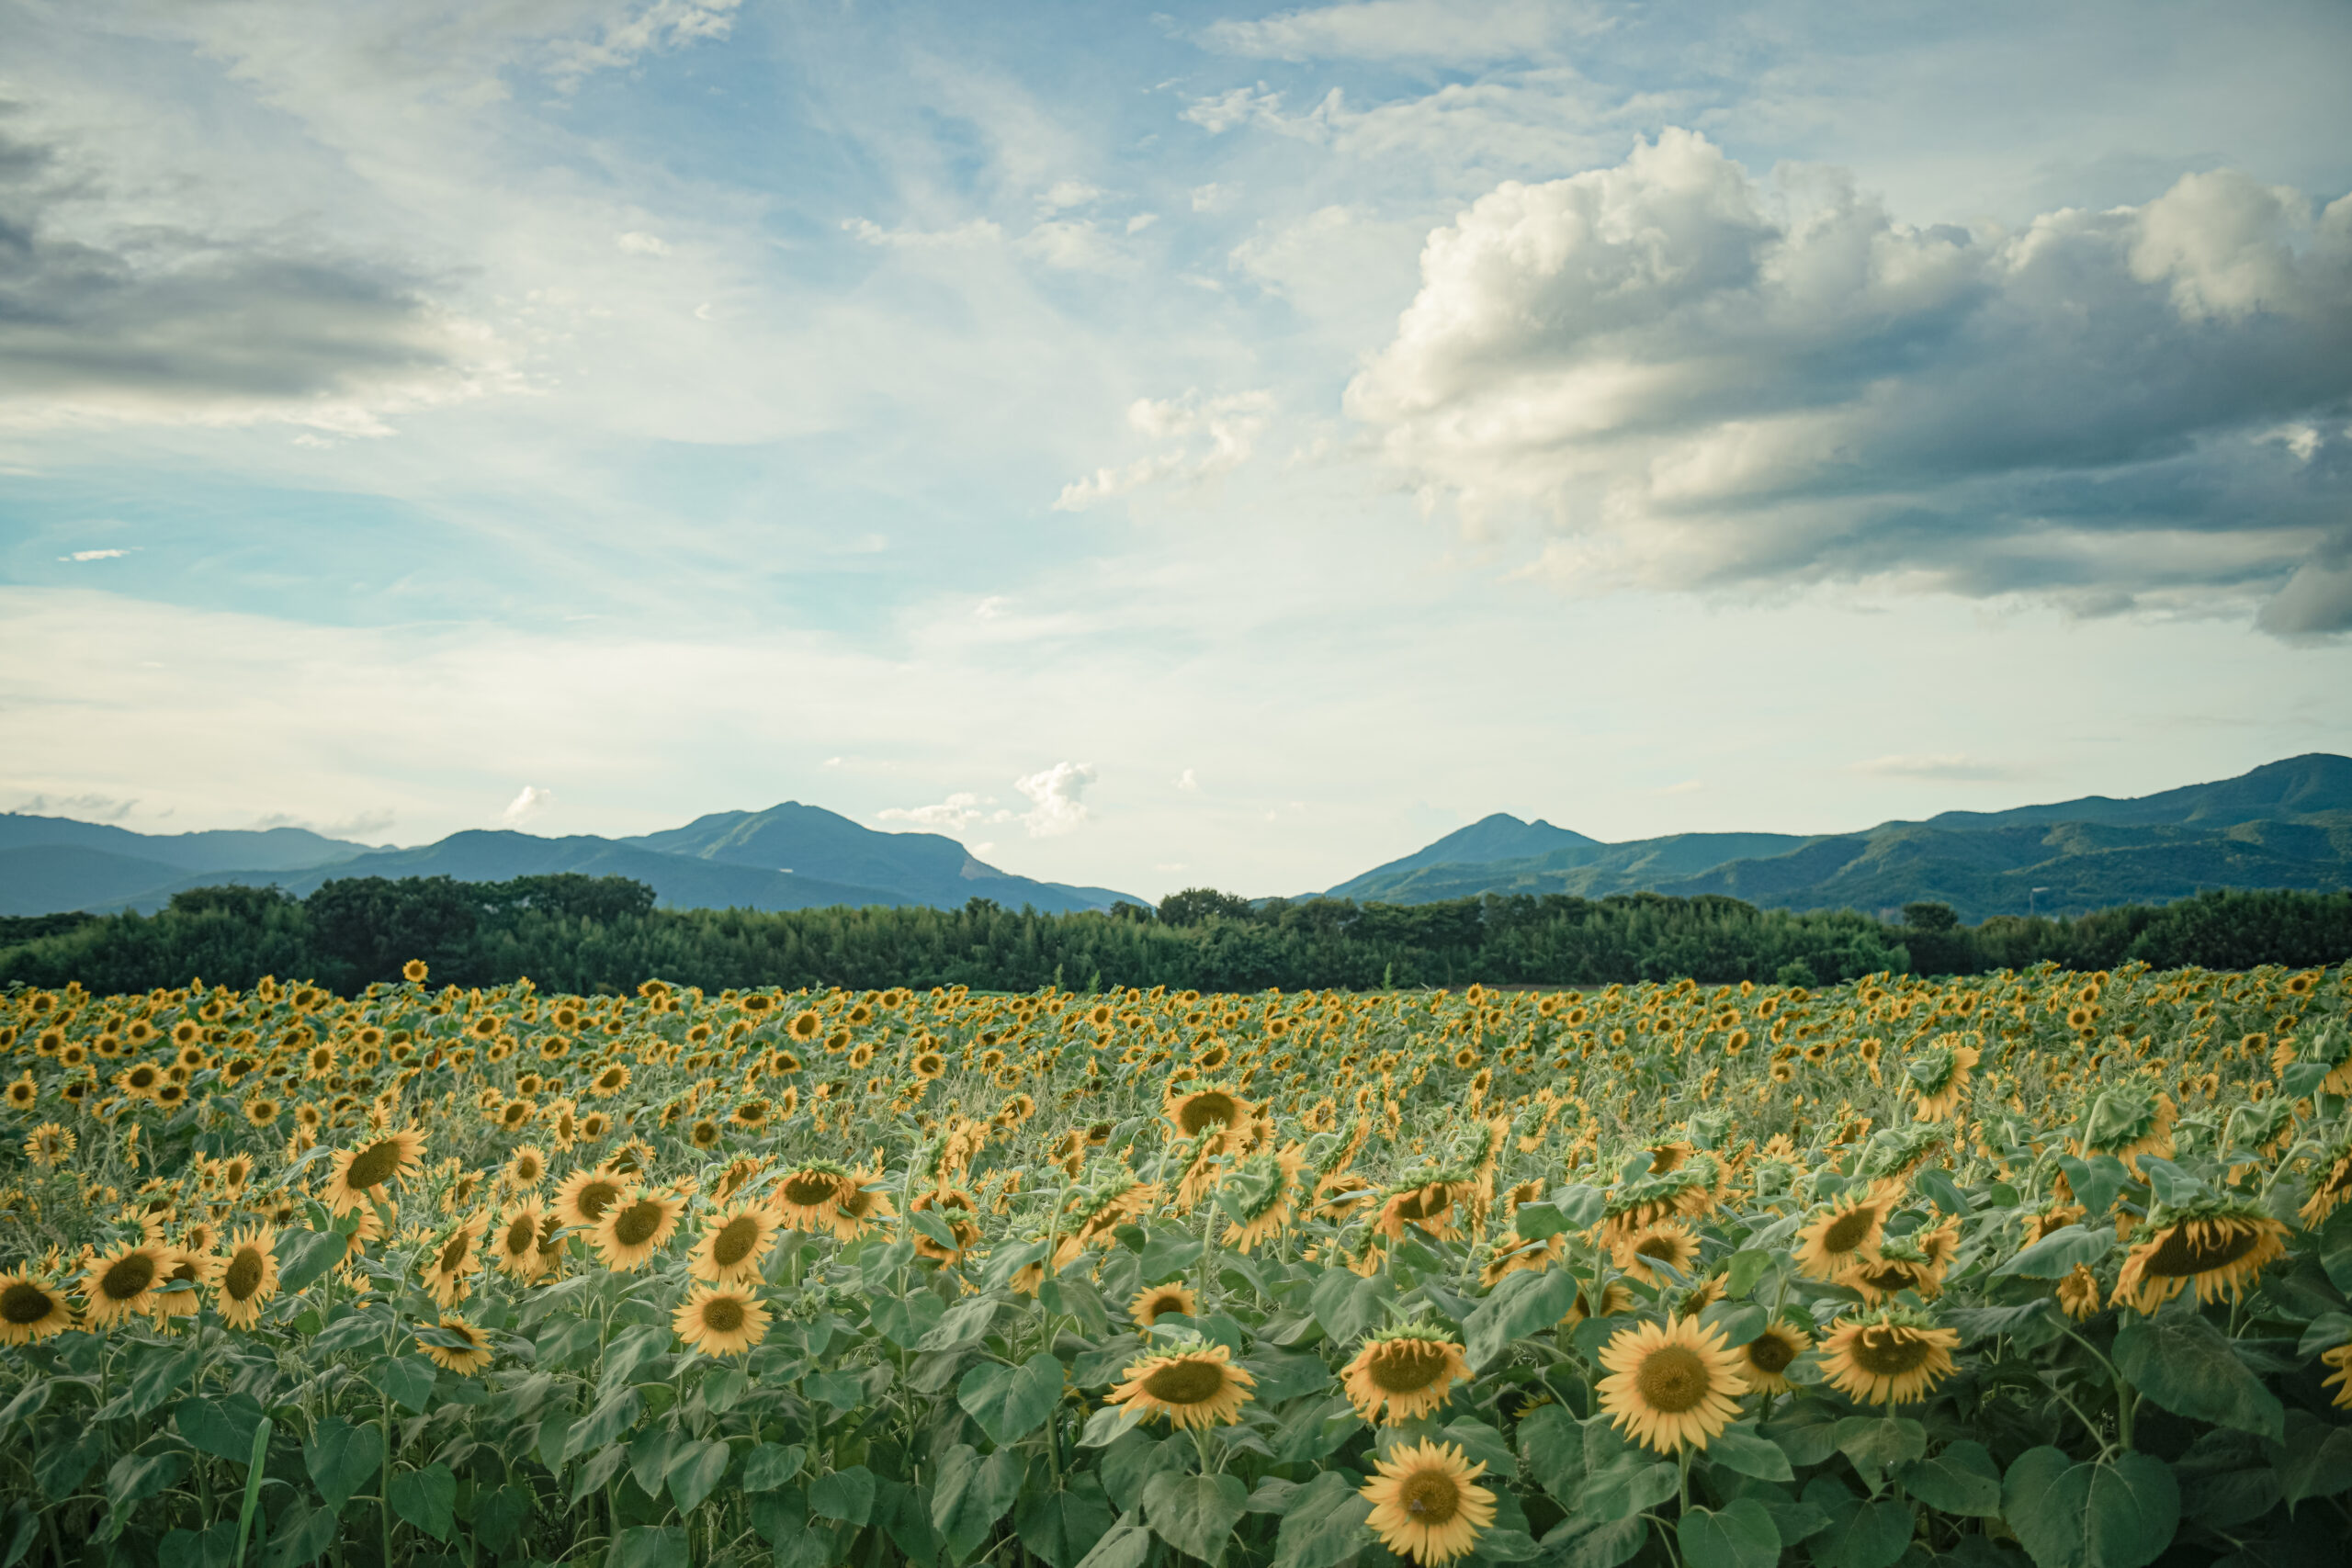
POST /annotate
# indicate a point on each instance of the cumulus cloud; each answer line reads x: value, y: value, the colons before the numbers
x: 1695, y: 380
x: 1202, y: 438
x: 954, y: 815
x: 1436, y: 31
x: 1188, y: 782
x: 526, y: 805
x: 107, y: 317
x: 637, y: 242
x: 1055, y: 802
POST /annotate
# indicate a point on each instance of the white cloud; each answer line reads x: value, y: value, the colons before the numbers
x: 1212, y: 198
x: 94, y: 555
x: 991, y: 608
x: 1210, y: 436
x: 1435, y: 30
x: 358, y: 825
x: 954, y: 815
x: 1055, y: 796
x: 84, y: 808
x: 1694, y: 382
x: 526, y: 805
x: 1074, y: 244
x: 978, y: 231
x: 1952, y: 766
x: 1064, y: 194
x: 1235, y: 105
x: 1188, y: 783
x: 637, y: 242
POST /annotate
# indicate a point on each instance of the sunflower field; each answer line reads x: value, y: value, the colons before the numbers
x: 2043, y: 1268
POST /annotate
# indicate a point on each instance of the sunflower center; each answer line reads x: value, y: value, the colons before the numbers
x: 722, y: 1314
x: 453, y: 1256
x: 1673, y: 1379
x: 735, y: 1240
x: 1849, y: 1230
x: 127, y: 1278
x: 811, y: 1190
x: 22, y: 1302
x: 2181, y: 1255
x: 858, y: 1204
x: 1185, y: 1382
x: 520, y: 1236
x: 1208, y: 1108
x: 375, y: 1165
x: 595, y: 1198
x: 1660, y: 1247
x: 1407, y: 1366
x: 1888, y: 1351
x: 635, y: 1226
x: 526, y: 1170
x: 1429, y: 1497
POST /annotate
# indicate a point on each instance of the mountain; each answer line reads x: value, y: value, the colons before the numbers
x: 2286, y: 824
x: 789, y: 857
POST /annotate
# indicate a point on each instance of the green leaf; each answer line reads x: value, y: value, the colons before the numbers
x: 1960, y: 1480
x: 1283, y: 1377
x: 23, y: 1527
x: 2318, y: 1463
x: 221, y: 1427
x: 1062, y: 1527
x: 965, y: 1323
x: 2055, y: 1255
x: 1346, y: 1305
x: 341, y: 1459
x: 2335, y: 1248
x: 651, y: 1546
x: 1741, y: 1450
x: 1739, y: 1321
x: 304, y: 1258
x: 158, y: 1371
x: 1551, y: 1449
x: 407, y: 1381
x: 1520, y: 1304
x: 1590, y: 1543
x: 427, y: 1498
x: 1745, y: 1269
x: 1482, y: 1444
x: 1583, y: 1205
x: 1808, y: 1435
x: 2090, y: 1516
x: 1741, y: 1536
x: 845, y: 1495
x: 649, y: 1454
x: 1194, y: 1514
x: 1626, y: 1485
x: 1012, y: 1401
x: 1859, y: 1534
x: 605, y: 1424
x: 1538, y: 1221
x: 137, y: 1477
x: 1874, y: 1443
x: 970, y: 1494
x: 1129, y: 1464
x: 499, y: 1516
x: 904, y: 1514
x: 694, y: 1472
x: 1324, y: 1526
x: 904, y: 1320
x: 770, y: 1465
x: 301, y: 1535
x: 1126, y: 1546
x: 2185, y: 1364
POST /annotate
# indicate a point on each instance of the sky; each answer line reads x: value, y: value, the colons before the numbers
x: 1217, y: 445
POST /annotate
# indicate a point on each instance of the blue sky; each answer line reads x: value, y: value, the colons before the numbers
x: 1219, y: 444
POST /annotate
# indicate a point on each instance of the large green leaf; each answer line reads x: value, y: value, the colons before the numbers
x: 904, y: 1514
x: 2118, y: 1515
x: 1126, y: 1546
x: 1282, y: 1377
x: 770, y: 1465
x: 651, y: 1546
x: 1323, y: 1526
x: 1859, y: 1534
x: 1873, y: 1443
x: 1551, y: 1451
x: 221, y: 1427
x: 694, y: 1472
x: 607, y: 1423
x: 341, y: 1459
x: 1062, y: 1527
x: 970, y: 1494
x: 1131, y: 1462
x: 904, y: 1320
x: 1346, y: 1305
x: 1194, y: 1514
x: 407, y: 1381
x: 844, y: 1495
x: 650, y: 1453
x: 136, y: 1477
x: 1627, y: 1484
x: 427, y: 1498
x: 1583, y: 1542
x: 1741, y: 1535
x: 1012, y: 1401
x: 1739, y: 1449
x: 499, y: 1516
x: 2318, y: 1463
x: 300, y: 1535
x: 2185, y: 1364
x: 304, y: 1257
x: 1962, y: 1479
x: 2055, y: 1255
x: 1521, y: 1305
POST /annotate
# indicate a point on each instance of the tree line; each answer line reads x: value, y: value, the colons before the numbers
x: 602, y: 934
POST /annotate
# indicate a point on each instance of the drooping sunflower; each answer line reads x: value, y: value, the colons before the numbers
x: 861, y: 1204
x: 2330, y: 1191
x: 1846, y: 1235
x: 720, y: 1320
x: 1412, y: 1371
x: 1901, y: 1265
x: 1670, y: 1385
x: 1156, y: 1302
x: 1764, y: 1361
x: 1429, y: 1204
x: 248, y: 1280
x: 955, y: 1207
x: 639, y: 1224
x: 2078, y: 1293
x: 1889, y: 1357
x: 122, y: 1284
x: 32, y: 1310
x: 2128, y: 1121
x: 1425, y: 1504
x: 2219, y: 1247
x: 362, y: 1175
x: 2340, y: 1381
x: 582, y: 1197
x: 448, y: 1274
x: 1669, y: 1242
x: 1194, y: 1384
x: 465, y: 1362
x: 1941, y: 1072
x: 1217, y: 1107
x: 732, y: 1244
x: 809, y: 1196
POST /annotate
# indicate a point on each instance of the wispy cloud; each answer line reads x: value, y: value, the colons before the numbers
x: 1952, y: 766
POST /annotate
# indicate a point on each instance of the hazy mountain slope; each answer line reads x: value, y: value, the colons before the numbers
x: 41, y: 879
x: 273, y: 849
x: 2314, y: 783
x: 1500, y: 837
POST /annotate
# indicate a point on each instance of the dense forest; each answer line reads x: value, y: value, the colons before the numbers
x: 590, y: 934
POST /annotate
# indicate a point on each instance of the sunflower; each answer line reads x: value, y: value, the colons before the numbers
x: 732, y: 1244
x: 2329, y: 1191
x: 585, y: 1195
x: 637, y: 1225
x: 808, y: 1198
x: 929, y: 1064
x: 1901, y: 1265
x: 360, y: 1175
x: 1846, y: 1235
x: 448, y: 1276
x: 526, y: 1168
x: 2340, y: 1359
x: 1411, y: 1371
x: 1195, y: 1384
x: 48, y: 1144
x: 721, y: 1320
x: 2219, y: 1246
x: 249, y: 1279
x: 1669, y: 1242
x: 610, y: 1081
x: 1764, y: 1361
x: 32, y: 1310
x: 959, y: 1225
x: 415, y: 971
x: 861, y: 1204
x: 2078, y: 1293
x: 752, y: 1111
x: 465, y: 1362
x: 1429, y: 1204
x: 1424, y: 1506
x: 1941, y: 1075
x: 186, y: 1267
x: 515, y: 1252
x: 1210, y: 1106
x: 122, y: 1284
x: 1889, y: 1357
x: 1670, y: 1385
x: 1160, y: 1301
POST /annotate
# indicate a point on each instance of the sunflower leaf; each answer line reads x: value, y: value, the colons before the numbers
x: 1740, y: 1535
x: 2055, y: 1255
x: 1962, y: 1479
x: 1194, y: 1514
x: 2066, y: 1515
x: 1323, y: 1525
x: 1520, y: 1305
x: 1743, y: 1452
x: 2185, y: 1364
x: 304, y: 1257
x: 1012, y: 1401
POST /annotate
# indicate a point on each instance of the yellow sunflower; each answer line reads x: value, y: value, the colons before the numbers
x: 1764, y: 1361
x: 2219, y: 1247
x: 721, y: 1320
x: 48, y: 1145
x: 1409, y: 1370
x: 515, y: 1252
x: 1195, y: 1384
x: 448, y: 1272
x: 122, y: 1284
x: 637, y: 1225
x: 248, y: 1280
x: 582, y: 1197
x: 526, y: 1168
x: 1160, y: 1301
x: 1210, y: 1106
x: 732, y: 1244
x: 861, y: 1204
x: 32, y: 1310
x: 1672, y: 1384
x: 1669, y: 1242
x: 2078, y: 1293
x: 808, y: 1198
x: 1889, y: 1357
x: 1846, y: 1235
x: 465, y: 1363
x: 2340, y: 1381
x: 189, y: 1269
x: 362, y: 1175
x: 1424, y: 1504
